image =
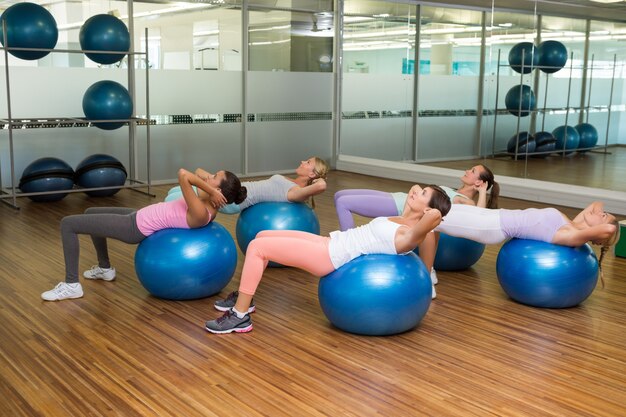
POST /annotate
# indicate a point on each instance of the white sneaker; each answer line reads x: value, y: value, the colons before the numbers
x: 433, y: 276
x: 107, y: 274
x: 434, y: 293
x: 63, y: 291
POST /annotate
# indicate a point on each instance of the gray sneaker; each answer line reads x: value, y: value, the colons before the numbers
x: 230, y: 301
x: 229, y: 323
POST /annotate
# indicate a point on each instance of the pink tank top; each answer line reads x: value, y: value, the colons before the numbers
x: 167, y: 215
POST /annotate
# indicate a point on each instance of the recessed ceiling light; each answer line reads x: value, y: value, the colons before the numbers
x: 505, y: 25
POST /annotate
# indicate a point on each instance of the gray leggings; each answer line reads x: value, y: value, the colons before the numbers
x: 99, y: 222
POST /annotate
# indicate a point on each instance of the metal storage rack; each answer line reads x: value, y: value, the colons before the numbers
x: 9, y: 195
x: 545, y: 110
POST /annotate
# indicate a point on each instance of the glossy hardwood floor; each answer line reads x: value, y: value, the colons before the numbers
x: 121, y: 352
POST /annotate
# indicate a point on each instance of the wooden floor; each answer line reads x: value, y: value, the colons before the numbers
x: 589, y: 169
x: 121, y: 352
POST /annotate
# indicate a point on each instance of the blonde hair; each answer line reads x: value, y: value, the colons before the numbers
x: 606, y: 245
x: 320, y: 170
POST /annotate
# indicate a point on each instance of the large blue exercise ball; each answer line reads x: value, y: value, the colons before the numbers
x: 47, y: 174
x: 377, y: 295
x: 588, y: 136
x: 456, y: 253
x: 520, y: 100
x: 566, y: 138
x: 274, y: 216
x: 545, y: 142
x: 107, y: 100
x: 104, y: 32
x: 186, y: 264
x: 523, y: 142
x: 29, y: 25
x: 552, y: 56
x: 546, y: 275
x: 100, y: 170
x: 530, y: 60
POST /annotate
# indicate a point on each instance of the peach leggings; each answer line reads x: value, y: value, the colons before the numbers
x: 288, y: 247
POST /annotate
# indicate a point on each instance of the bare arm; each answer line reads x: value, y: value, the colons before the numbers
x: 595, y: 206
x: 197, y: 212
x: 299, y: 194
x: 408, y: 238
x: 577, y: 237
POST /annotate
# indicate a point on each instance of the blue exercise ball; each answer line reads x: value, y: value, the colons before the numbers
x: 520, y: 100
x: 47, y: 174
x: 107, y: 100
x: 455, y: 253
x: 524, y: 141
x: 545, y: 142
x: 274, y: 216
x: 377, y: 295
x: 566, y: 138
x: 100, y: 170
x: 552, y: 56
x: 546, y: 275
x: 104, y: 32
x: 588, y: 136
x: 29, y: 25
x: 531, y: 57
x: 186, y: 264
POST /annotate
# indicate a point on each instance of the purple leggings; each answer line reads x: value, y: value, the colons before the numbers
x: 368, y: 203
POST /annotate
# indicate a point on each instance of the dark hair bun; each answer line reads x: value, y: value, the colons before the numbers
x: 241, y: 196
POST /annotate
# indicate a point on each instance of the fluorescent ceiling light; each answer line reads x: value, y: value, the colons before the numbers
x: 606, y: 1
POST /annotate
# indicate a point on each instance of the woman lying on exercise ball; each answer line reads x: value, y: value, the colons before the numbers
x: 321, y: 255
x: 309, y: 182
x: 549, y: 225
x: 475, y: 184
x: 132, y: 226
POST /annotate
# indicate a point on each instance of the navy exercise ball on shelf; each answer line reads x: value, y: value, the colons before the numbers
x: 545, y: 142
x: 107, y: 100
x: 546, y: 275
x: 552, y: 56
x: 29, y: 25
x: 377, y: 295
x: 531, y: 57
x: 566, y: 138
x: 47, y: 174
x: 186, y: 264
x: 520, y: 100
x: 104, y: 32
x: 588, y: 135
x: 525, y: 143
x: 100, y: 170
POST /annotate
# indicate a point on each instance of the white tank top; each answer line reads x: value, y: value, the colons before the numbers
x: 375, y: 237
x: 273, y: 189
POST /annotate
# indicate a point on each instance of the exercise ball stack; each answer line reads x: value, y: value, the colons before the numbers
x: 588, y: 136
x: 107, y: 100
x: 100, y: 170
x: 29, y: 25
x: 545, y: 142
x: 566, y: 138
x: 186, y: 264
x: 104, y: 32
x: 47, y: 174
x: 546, y: 275
x: 524, y: 141
x: 552, y: 56
x: 530, y: 60
x: 377, y: 295
x: 520, y: 100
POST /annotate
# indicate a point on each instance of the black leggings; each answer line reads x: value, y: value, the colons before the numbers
x: 100, y: 223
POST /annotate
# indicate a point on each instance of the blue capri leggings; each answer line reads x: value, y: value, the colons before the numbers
x: 368, y: 203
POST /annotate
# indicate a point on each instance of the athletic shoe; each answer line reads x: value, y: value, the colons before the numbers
x: 230, y: 301
x: 434, y: 294
x: 63, y: 291
x: 433, y: 276
x: 107, y: 274
x: 229, y: 323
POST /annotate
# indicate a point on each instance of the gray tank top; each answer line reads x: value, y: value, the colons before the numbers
x: 273, y: 189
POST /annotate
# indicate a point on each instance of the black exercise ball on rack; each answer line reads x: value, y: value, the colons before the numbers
x: 104, y: 32
x: 525, y: 143
x: 546, y: 142
x: 47, y: 174
x: 100, y: 170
